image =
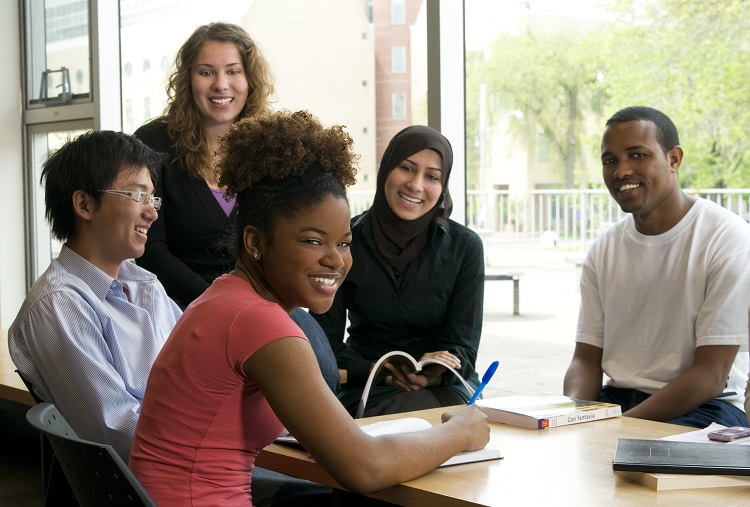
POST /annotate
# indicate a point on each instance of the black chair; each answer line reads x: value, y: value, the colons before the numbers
x: 96, y: 473
x: 56, y: 492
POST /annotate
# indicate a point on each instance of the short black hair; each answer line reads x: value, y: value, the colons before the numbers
x: 90, y: 162
x: 666, y: 132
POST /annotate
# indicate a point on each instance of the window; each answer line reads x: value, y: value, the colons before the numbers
x: 129, y: 119
x: 399, y: 106
x: 542, y: 147
x: 57, y: 46
x: 358, y: 94
x: 44, y: 248
x: 398, y: 59
x: 398, y: 12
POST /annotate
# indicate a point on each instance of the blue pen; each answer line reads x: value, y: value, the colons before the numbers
x: 485, y: 380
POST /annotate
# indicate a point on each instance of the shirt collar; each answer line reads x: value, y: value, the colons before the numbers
x: 95, y: 278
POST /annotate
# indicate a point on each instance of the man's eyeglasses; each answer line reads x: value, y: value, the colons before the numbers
x: 141, y: 197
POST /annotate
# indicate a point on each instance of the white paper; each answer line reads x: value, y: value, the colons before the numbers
x: 702, y: 436
x: 405, y: 425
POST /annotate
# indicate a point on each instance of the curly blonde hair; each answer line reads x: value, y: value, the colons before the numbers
x: 282, y: 163
x: 184, y: 124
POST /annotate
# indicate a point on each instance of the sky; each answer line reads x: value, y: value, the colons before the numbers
x: 485, y: 18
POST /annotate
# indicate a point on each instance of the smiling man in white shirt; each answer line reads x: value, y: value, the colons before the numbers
x: 93, y: 323
x: 664, y: 292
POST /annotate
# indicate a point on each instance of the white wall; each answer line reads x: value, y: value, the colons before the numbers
x: 12, y: 242
x: 321, y: 53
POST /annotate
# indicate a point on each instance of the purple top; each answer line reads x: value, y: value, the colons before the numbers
x: 226, y: 206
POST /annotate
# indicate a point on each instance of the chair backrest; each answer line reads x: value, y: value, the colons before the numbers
x: 97, y: 474
x: 30, y: 387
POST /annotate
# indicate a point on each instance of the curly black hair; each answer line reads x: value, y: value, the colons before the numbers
x: 281, y: 164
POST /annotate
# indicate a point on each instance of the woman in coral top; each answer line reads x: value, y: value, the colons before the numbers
x: 236, y: 370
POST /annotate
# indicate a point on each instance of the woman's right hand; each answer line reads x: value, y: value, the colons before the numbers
x: 471, y: 421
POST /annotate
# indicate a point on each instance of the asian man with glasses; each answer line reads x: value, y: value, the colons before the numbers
x: 92, y: 324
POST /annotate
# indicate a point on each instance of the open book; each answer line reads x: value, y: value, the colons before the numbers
x: 408, y: 425
x: 397, y: 358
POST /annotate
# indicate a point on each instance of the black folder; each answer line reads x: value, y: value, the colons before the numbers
x: 669, y: 457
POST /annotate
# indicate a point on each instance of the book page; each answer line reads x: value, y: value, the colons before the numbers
x: 394, y: 426
x: 408, y: 425
x: 486, y: 454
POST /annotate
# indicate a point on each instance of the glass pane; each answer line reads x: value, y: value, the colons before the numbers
x: 44, y: 246
x: 59, y: 52
x: 332, y: 58
x: 543, y: 77
x: 398, y: 14
x: 534, y: 83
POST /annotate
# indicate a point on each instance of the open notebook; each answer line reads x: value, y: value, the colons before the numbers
x: 407, y: 425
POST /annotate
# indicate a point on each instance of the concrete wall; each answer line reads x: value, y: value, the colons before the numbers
x: 13, y: 243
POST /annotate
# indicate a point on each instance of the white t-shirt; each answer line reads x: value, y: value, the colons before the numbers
x: 747, y: 389
x: 649, y: 301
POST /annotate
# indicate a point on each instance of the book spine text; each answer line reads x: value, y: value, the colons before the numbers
x: 580, y: 417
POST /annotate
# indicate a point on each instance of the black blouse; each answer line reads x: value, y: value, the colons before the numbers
x: 437, y: 304
x: 187, y: 245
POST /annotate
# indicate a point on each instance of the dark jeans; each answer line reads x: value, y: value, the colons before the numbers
x: 431, y: 397
x: 321, y: 346
x: 716, y: 411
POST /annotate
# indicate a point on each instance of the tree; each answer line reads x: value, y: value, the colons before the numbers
x: 552, y: 79
x: 690, y: 59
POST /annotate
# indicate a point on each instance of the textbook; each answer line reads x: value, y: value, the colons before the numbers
x: 676, y: 457
x: 407, y: 425
x: 668, y: 482
x: 545, y: 410
x: 398, y: 358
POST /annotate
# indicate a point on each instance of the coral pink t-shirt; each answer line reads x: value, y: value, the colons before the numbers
x: 203, y: 421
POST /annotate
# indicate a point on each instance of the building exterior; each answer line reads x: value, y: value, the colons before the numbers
x: 400, y: 63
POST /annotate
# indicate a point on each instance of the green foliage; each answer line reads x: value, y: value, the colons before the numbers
x: 689, y: 58
x: 552, y: 79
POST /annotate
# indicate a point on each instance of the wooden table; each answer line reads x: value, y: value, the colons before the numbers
x: 11, y: 386
x: 566, y: 466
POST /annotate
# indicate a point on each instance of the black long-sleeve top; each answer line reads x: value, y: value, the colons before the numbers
x: 186, y: 245
x: 437, y: 304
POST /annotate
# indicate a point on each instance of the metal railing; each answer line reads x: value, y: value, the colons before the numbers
x: 566, y: 220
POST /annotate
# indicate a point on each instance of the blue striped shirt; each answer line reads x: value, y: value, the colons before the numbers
x: 89, y: 351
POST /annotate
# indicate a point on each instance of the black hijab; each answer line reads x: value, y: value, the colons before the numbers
x: 399, y: 241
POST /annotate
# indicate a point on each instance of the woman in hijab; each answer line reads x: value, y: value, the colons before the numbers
x: 416, y: 284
